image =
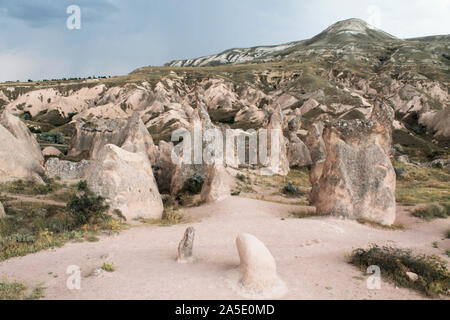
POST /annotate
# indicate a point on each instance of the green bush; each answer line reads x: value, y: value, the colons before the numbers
x: 87, y: 208
x: 432, y: 211
x: 51, y: 137
x: 291, y: 190
x: 194, y: 184
x: 434, y: 277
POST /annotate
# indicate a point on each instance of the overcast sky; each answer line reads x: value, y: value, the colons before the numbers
x: 118, y: 36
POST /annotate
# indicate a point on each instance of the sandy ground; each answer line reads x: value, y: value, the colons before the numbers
x: 310, y: 255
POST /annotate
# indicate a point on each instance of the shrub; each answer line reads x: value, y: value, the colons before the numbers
x: 291, y: 190
x: 108, y: 267
x: 52, y: 137
x: 399, y: 172
x: 431, y: 211
x: 87, y: 208
x: 241, y: 177
x: 434, y: 278
x: 194, y: 184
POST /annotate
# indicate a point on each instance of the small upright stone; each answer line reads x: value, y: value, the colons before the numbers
x: 186, y: 246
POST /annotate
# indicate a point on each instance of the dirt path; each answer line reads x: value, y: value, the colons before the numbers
x: 310, y: 255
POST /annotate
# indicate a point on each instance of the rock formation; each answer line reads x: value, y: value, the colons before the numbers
x: 51, y: 152
x: 358, y: 179
x: 186, y: 247
x: 19, y: 130
x: 218, y: 183
x: 129, y: 134
x: 2, y: 211
x: 20, y: 156
x: 298, y: 153
x: 277, y: 147
x: 258, y: 270
x: 318, y: 153
x: 126, y: 180
x: 66, y: 170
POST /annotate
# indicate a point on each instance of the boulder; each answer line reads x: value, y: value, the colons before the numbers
x: 277, y: 147
x: 21, y: 132
x: 51, y: 152
x: 2, y: 211
x: 164, y: 167
x: 66, y: 170
x: 358, y: 179
x: 19, y: 158
x: 218, y: 184
x: 186, y: 247
x: 258, y: 270
x: 130, y: 134
x: 298, y: 153
x: 318, y: 153
x: 126, y: 181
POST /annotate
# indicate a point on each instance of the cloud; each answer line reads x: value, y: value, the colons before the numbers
x: 43, y: 13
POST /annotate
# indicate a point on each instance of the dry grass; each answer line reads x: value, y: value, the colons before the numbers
x: 19, y: 291
x: 434, y: 277
x: 422, y: 185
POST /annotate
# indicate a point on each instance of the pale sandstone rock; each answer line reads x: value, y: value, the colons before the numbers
x: 51, y: 151
x: 318, y: 152
x: 19, y: 130
x: 218, y: 184
x: 19, y: 157
x: 298, y: 154
x: 2, y: 211
x: 186, y: 246
x: 66, y: 170
x: 258, y: 270
x: 129, y: 133
x: 126, y: 180
x: 277, y: 164
x: 358, y: 179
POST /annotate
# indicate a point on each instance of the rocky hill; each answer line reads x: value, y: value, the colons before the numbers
x: 337, y: 74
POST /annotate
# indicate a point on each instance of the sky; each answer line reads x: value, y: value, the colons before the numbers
x: 119, y: 36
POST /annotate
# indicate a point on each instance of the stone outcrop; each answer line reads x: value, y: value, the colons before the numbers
x: 276, y: 147
x: 19, y: 130
x: 20, y: 156
x: 218, y: 184
x: 318, y: 153
x: 298, y: 153
x: 186, y: 246
x: 258, y: 270
x: 2, y: 211
x: 51, y: 152
x: 126, y: 181
x: 163, y: 168
x: 358, y: 179
x: 66, y: 170
x: 129, y: 133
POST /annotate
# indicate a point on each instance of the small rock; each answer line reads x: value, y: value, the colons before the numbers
x: 186, y: 246
x: 413, y: 277
x: 51, y: 151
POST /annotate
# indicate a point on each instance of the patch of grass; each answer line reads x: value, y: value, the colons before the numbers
x: 374, y: 224
x: 34, y: 226
x: 108, y: 267
x: 432, y: 211
x: 19, y: 291
x: 420, y: 185
x: 27, y: 187
x: 302, y: 214
x: 292, y: 190
x: 434, y: 277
